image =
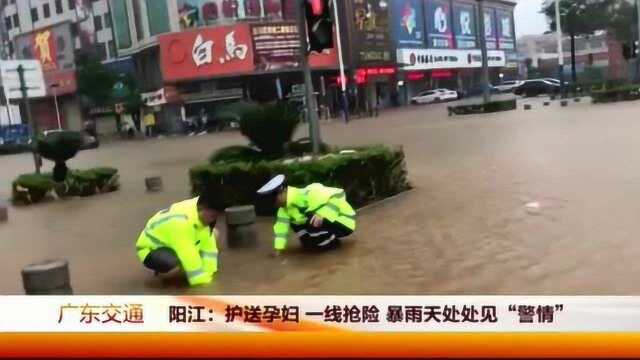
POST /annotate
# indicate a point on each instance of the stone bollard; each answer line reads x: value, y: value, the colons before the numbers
x: 527, y: 106
x: 241, y: 231
x: 546, y: 103
x: 153, y: 184
x: 4, y: 212
x: 564, y: 103
x: 50, y: 277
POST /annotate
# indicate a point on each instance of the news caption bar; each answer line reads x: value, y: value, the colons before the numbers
x: 318, y: 313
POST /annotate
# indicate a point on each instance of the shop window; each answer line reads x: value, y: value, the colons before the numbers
x: 158, y: 16
x: 34, y: 14
x: 230, y: 9
x: 210, y: 12
x: 252, y: 8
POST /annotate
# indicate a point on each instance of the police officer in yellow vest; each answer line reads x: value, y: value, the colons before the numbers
x: 183, y: 236
x: 319, y: 215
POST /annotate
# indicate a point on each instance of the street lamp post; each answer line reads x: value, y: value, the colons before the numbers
x: 54, y: 88
x: 560, y: 52
x: 343, y: 78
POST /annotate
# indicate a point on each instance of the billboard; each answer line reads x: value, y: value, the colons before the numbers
x: 371, y: 32
x: 408, y: 23
x: 438, y: 22
x: 52, y: 46
x: 490, y: 28
x: 506, y: 35
x: 275, y: 45
x: 224, y: 50
x: 464, y: 25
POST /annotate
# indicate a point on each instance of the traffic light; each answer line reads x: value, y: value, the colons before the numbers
x: 629, y: 52
x: 634, y: 49
x: 319, y: 24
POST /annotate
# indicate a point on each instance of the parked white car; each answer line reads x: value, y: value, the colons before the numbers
x: 508, y: 86
x: 434, y: 96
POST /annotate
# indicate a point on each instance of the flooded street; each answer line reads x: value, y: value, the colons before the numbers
x: 465, y: 228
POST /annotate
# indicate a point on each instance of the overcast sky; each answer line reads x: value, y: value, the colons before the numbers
x: 528, y: 18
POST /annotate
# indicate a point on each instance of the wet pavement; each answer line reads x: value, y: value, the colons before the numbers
x: 465, y: 228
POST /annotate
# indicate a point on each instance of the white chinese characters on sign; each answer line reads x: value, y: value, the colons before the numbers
x: 506, y: 27
x: 465, y: 23
x: 234, y: 51
x: 202, y: 51
x: 488, y: 25
x: 440, y: 20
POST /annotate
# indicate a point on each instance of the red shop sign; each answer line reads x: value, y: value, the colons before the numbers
x: 415, y: 76
x: 206, y: 52
x: 439, y: 74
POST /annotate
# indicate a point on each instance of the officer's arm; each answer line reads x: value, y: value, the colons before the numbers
x: 209, y: 253
x: 281, y: 230
x: 188, y: 254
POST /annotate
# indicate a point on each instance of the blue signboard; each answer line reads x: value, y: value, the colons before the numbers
x: 14, y: 134
x: 464, y: 25
x: 505, y: 30
x: 439, y: 27
x: 490, y: 28
x: 408, y: 23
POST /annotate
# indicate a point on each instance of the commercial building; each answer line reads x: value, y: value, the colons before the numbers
x: 438, y: 43
x: 56, y: 32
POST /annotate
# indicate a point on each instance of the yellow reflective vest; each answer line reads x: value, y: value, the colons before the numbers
x: 302, y: 204
x: 180, y: 229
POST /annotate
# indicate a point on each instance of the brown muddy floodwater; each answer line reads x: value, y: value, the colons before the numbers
x: 464, y: 229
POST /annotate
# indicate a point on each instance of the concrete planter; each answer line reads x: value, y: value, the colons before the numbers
x: 564, y: 103
x: 50, y: 277
x: 527, y: 106
x: 4, y: 212
x: 241, y: 231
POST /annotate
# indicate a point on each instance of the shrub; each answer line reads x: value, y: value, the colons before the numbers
x: 303, y: 146
x: 33, y: 188
x: 59, y: 146
x: 367, y: 175
x: 236, y: 153
x: 482, y: 108
x: 269, y: 127
x: 621, y: 93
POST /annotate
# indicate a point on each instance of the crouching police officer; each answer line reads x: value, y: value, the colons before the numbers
x: 319, y: 215
x: 183, y: 236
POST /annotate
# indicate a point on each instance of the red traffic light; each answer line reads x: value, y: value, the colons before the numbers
x: 317, y: 7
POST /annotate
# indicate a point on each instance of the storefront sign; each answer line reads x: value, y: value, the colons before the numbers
x: 206, y: 52
x: 408, y: 23
x: 490, y: 28
x: 52, y: 46
x: 154, y: 98
x: 505, y: 30
x: 275, y: 45
x: 372, y: 35
x: 464, y: 25
x: 439, y: 27
x: 61, y: 82
x: 428, y: 59
x: 441, y: 74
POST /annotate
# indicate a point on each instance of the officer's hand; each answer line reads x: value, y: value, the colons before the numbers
x: 316, y: 221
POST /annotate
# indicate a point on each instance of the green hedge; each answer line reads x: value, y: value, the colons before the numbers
x: 367, y: 175
x: 33, y: 188
x: 482, y: 108
x: 621, y: 93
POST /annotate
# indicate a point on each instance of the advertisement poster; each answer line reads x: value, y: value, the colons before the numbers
x: 275, y: 45
x: 206, y: 52
x: 439, y: 27
x: 464, y: 25
x: 505, y: 30
x: 372, y: 38
x: 490, y: 28
x: 408, y: 23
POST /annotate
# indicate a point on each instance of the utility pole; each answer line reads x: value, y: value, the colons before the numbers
x: 638, y: 47
x: 312, y: 114
x: 33, y: 124
x: 560, y: 52
x: 343, y: 78
x: 486, y: 95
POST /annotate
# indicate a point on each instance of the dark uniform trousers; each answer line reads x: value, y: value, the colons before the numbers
x: 324, y: 237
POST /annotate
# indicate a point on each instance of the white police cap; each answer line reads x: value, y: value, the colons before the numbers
x: 272, y: 186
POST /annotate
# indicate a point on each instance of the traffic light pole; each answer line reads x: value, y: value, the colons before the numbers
x: 486, y: 95
x: 312, y: 114
x: 343, y: 78
x: 560, y: 51
x: 33, y: 124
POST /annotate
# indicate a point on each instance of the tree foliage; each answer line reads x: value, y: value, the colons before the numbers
x: 95, y: 81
